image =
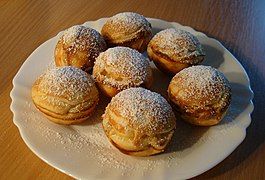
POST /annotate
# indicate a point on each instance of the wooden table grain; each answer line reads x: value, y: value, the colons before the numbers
x: 239, y: 25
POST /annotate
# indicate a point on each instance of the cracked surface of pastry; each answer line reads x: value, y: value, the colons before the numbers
x: 120, y: 68
x: 200, y: 94
x: 127, y: 29
x: 79, y: 46
x: 174, y: 49
x: 65, y: 95
x: 139, y: 122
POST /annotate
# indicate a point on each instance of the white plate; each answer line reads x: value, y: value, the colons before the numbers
x: 83, y: 151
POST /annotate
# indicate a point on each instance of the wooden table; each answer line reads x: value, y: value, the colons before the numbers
x: 240, y: 26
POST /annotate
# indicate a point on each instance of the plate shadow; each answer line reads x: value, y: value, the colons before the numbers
x: 214, y: 57
x: 185, y: 136
x: 100, y: 109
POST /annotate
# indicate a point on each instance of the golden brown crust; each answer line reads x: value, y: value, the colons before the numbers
x: 200, y: 94
x: 164, y: 63
x: 69, y: 118
x: 127, y: 29
x: 173, y: 50
x: 107, y: 89
x: 141, y: 153
x: 120, y: 68
x: 66, y: 95
x: 79, y: 46
x: 139, y: 42
x: 200, y: 117
x: 139, y: 122
x: 111, y: 91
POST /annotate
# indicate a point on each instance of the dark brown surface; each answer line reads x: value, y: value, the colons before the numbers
x: 239, y: 25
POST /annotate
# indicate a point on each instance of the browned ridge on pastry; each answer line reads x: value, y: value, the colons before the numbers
x: 139, y: 122
x: 66, y: 95
x: 174, y: 49
x: 201, y: 94
x: 79, y: 46
x: 127, y: 29
x: 120, y: 68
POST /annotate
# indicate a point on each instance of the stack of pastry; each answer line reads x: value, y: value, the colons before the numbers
x: 137, y: 121
x: 200, y: 94
x: 174, y: 49
x: 120, y: 68
x: 79, y: 46
x: 127, y: 29
x: 66, y: 95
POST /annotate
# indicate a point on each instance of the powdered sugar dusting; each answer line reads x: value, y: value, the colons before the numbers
x: 201, y: 84
x: 129, y: 65
x: 145, y: 110
x: 90, y: 142
x: 68, y: 82
x: 177, y: 44
x: 80, y: 38
x: 128, y: 21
